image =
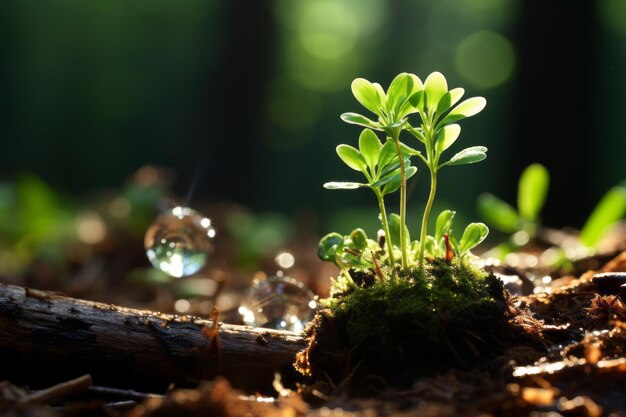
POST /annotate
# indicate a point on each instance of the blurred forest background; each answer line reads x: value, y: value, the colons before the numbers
x: 239, y: 101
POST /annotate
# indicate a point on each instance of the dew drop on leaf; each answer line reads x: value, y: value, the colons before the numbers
x: 278, y: 302
x: 179, y: 241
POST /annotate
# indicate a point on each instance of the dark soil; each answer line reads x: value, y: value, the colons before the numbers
x: 566, y: 359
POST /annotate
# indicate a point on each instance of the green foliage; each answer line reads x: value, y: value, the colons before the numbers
x: 498, y: 213
x: 532, y: 191
x: 351, y: 252
x: 428, y: 111
x: 524, y: 222
x: 609, y: 210
x: 473, y: 235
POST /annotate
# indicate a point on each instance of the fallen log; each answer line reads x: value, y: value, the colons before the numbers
x: 46, y: 338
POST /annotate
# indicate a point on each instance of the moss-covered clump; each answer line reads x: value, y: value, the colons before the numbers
x: 453, y: 315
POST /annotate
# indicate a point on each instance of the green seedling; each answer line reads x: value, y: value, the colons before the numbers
x: 523, y: 223
x: 428, y: 111
x: 443, y: 242
x: 352, y: 251
x: 610, y: 209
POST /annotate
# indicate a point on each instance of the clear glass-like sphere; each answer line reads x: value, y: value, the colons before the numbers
x: 179, y: 241
x: 278, y: 302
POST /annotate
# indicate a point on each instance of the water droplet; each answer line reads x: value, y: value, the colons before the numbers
x: 279, y: 302
x: 179, y: 241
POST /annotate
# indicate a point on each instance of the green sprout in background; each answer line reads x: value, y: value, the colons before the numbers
x: 524, y: 224
x: 610, y: 209
x: 387, y: 167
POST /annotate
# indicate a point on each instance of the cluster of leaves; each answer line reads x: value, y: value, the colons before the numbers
x: 434, y: 111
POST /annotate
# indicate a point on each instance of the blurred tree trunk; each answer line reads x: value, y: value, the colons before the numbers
x: 227, y: 140
x: 556, y: 50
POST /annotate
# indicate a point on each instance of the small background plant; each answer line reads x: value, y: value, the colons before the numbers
x: 524, y: 223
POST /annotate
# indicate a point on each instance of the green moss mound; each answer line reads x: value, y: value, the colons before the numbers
x: 453, y: 315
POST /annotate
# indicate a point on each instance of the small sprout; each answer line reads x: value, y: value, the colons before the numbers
x: 609, y: 210
x: 473, y: 235
x: 444, y: 244
x: 532, y: 191
x: 524, y: 223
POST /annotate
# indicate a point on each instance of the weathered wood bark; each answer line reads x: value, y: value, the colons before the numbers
x: 46, y: 338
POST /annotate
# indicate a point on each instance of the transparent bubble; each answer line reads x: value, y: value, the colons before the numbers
x: 179, y: 241
x: 278, y: 302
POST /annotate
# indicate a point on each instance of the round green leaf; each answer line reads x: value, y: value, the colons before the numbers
x: 455, y: 95
x: 417, y: 83
x: 444, y: 223
x: 357, y: 119
x: 328, y: 247
x: 387, y: 153
x: 429, y: 246
x: 444, y: 104
x: 468, y: 108
x: 447, y: 136
x: 367, y: 94
x: 532, y: 191
x: 396, y: 181
x: 412, y: 104
x: 394, y: 165
x: 399, y: 91
x: 472, y: 236
x: 381, y: 93
x: 394, y: 229
x: 468, y: 156
x: 352, y: 157
x: 359, y: 238
x: 435, y: 87
x: 609, y: 210
x: 369, y: 146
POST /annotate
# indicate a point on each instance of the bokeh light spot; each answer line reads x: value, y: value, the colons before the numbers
x: 285, y: 260
x: 91, y: 228
x: 182, y: 306
x: 119, y: 207
x: 485, y: 59
x: 327, y: 29
x: 613, y: 13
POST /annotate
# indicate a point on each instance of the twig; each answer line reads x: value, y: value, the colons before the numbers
x: 122, y: 393
x: 59, y: 391
x: 122, y: 405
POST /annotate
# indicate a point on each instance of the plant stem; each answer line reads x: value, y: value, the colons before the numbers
x: 349, y: 278
x: 383, y: 217
x: 429, y: 205
x: 396, y: 139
